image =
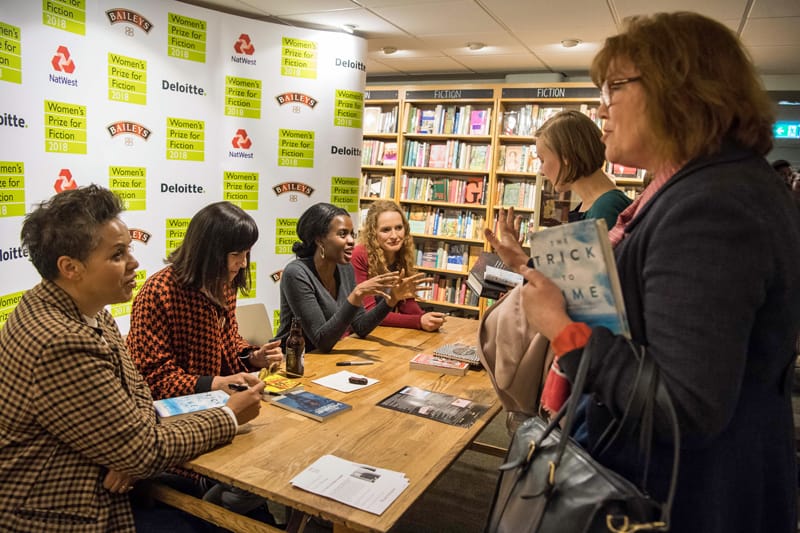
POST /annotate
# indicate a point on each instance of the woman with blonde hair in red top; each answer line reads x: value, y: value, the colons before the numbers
x: 385, y: 245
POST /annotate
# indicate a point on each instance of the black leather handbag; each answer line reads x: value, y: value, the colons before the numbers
x: 550, y: 484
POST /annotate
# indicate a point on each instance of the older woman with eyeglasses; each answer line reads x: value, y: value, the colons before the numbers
x: 707, y: 258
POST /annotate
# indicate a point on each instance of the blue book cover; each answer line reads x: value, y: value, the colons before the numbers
x: 311, y: 405
x: 190, y: 403
x: 579, y: 259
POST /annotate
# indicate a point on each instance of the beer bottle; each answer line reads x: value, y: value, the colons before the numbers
x: 295, y: 350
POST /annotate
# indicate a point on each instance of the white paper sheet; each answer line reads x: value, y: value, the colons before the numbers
x: 362, y: 486
x: 338, y: 381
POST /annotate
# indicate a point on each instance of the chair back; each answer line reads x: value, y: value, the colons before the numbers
x: 254, y: 323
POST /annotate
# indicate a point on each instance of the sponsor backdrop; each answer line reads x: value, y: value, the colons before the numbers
x: 174, y: 107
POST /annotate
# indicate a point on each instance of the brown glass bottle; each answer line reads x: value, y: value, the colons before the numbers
x: 295, y: 350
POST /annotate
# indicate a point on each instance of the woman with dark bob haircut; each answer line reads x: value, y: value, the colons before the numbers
x: 707, y: 260
x: 319, y: 286
x: 184, y: 336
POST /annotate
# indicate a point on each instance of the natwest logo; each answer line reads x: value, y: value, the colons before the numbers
x: 119, y: 128
x: 244, y: 46
x: 139, y: 235
x: 62, y: 62
x: 241, y: 140
x: 292, y: 187
x: 65, y: 181
x: 122, y: 15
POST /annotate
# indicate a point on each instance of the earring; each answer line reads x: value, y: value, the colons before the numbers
x: 322, y: 252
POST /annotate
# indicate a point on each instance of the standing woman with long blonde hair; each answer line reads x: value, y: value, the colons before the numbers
x: 385, y: 245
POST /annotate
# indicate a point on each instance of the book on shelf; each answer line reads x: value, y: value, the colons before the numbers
x: 442, y: 365
x: 312, y: 405
x: 479, y: 157
x: 474, y: 190
x: 390, y: 154
x: 426, y: 122
x: 276, y: 384
x: 479, y: 122
x: 372, y: 119
x: 510, y: 120
x: 514, y: 159
x: 437, y: 406
x: 172, y: 408
x: 476, y: 280
x: 459, y: 351
x: 417, y: 216
x: 438, y: 156
x: 579, y: 259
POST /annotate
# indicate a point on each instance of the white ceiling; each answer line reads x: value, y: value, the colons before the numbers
x: 521, y: 36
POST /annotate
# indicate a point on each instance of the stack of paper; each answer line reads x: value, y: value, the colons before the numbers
x: 365, y: 487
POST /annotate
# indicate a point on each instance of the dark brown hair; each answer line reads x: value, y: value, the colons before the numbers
x: 201, y: 261
x: 700, y: 83
x: 66, y: 225
x: 577, y: 142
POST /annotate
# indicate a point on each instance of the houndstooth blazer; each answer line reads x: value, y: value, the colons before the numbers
x: 72, y: 406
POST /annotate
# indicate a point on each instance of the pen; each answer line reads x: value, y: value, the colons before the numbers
x: 238, y: 386
x: 353, y: 363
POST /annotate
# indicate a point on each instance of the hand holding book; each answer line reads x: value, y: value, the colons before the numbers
x: 548, y: 315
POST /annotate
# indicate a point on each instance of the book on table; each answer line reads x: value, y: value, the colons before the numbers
x: 476, y: 280
x: 459, y: 351
x: 312, y: 405
x: 437, y: 406
x: 276, y: 384
x: 579, y: 259
x: 171, y: 408
x: 441, y: 365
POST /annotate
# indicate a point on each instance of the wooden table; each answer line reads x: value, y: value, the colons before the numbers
x: 281, y: 444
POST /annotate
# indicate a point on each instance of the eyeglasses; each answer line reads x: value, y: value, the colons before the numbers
x: 605, y: 90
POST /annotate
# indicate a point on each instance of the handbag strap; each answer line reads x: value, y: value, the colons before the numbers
x: 648, y: 391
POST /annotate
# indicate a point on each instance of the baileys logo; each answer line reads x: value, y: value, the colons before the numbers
x: 139, y: 235
x: 122, y: 127
x: 299, y: 98
x: 121, y: 15
x: 293, y: 186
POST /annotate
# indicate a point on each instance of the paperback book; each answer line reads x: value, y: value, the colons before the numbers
x: 579, y: 259
x: 476, y: 280
x: 311, y: 405
x: 191, y: 403
x: 459, y: 352
x: 441, y: 365
x: 276, y: 384
x: 438, y: 406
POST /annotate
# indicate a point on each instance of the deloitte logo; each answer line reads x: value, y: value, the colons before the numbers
x: 12, y: 120
x: 13, y: 254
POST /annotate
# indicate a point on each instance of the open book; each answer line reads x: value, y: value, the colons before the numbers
x: 579, y: 259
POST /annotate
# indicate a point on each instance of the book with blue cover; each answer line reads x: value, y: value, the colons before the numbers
x: 311, y: 405
x: 579, y: 259
x: 191, y: 403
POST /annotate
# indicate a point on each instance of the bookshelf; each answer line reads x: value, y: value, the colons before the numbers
x: 379, y: 147
x: 444, y: 178
x: 463, y: 153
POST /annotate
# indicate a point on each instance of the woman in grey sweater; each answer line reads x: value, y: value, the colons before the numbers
x: 319, y: 286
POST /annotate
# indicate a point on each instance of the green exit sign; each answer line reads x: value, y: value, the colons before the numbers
x: 786, y: 130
